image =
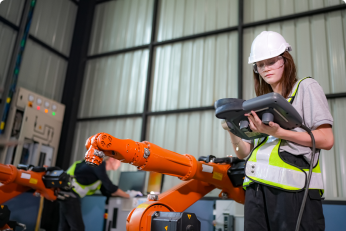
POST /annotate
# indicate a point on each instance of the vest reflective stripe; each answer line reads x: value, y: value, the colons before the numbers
x: 82, y: 190
x: 246, y: 182
x: 255, y: 142
x: 266, y: 166
x: 316, y: 181
x: 277, y: 176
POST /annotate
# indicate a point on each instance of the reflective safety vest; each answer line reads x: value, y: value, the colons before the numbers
x: 82, y: 190
x: 265, y: 166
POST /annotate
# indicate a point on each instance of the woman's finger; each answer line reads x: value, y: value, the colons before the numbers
x: 273, y: 125
x: 256, y: 118
x: 252, y: 119
x: 252, y: 126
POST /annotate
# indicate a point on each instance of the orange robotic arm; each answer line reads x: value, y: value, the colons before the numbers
x: 199, y: 177
x: 13, y: 181
x: 46, y: 181
x: 16, y: 181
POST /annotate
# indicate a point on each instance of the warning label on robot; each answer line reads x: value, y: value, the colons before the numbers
x: 142, y: 206
x: 33, y: 181
x: 207, y: 168
x: 25, y: 176
x: 217, y: 175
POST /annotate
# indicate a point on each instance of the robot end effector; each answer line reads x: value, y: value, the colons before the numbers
x: 93, y: 156
x: 46, y: 181
x: 97, y: 146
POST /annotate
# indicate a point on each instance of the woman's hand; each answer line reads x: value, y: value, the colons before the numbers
x: 256, y: 125
x: 323, y: 134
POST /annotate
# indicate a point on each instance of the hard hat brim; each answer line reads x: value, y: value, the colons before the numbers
x: 253, y: 59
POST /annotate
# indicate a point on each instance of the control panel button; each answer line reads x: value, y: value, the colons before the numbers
x: 39, y: 101
x: 31, y: 98
x: 46, y: 104
x: 54, y: 107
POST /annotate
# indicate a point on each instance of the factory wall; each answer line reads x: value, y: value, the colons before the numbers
x: 188, y: 72
x: 45, y: 57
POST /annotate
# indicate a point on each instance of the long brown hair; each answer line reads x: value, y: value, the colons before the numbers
x: 289, y: 78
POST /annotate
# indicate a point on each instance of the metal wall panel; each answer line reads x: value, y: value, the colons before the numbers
x: 195, y: 73
x: 53, y: 23
x: 12, y: 10
x: 121, y: 24
x: 333, y: 162
x: 257, y: 10
x: 318, y: 44
x: 42, y: 72
x: 178, y: 18
x: 328, y: 162
x: 336, y: 26
x: 121, y: 128
x: 114, y: 85
x: 7, y: 39
x: 197, y: 134
x: 336, y: 165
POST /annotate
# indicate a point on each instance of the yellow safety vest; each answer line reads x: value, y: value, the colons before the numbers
x: 83, y: 190
x: 265, y: 166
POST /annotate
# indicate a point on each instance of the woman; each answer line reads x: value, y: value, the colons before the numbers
x: 276, y: 166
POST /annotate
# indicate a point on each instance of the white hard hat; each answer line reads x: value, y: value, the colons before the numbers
x: 266, y: 45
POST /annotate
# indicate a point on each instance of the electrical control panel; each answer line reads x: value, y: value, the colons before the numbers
x: 47, y: 106
x: 32, y: 131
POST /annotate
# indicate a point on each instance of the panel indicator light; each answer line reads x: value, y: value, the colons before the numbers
x: 31, y: 98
